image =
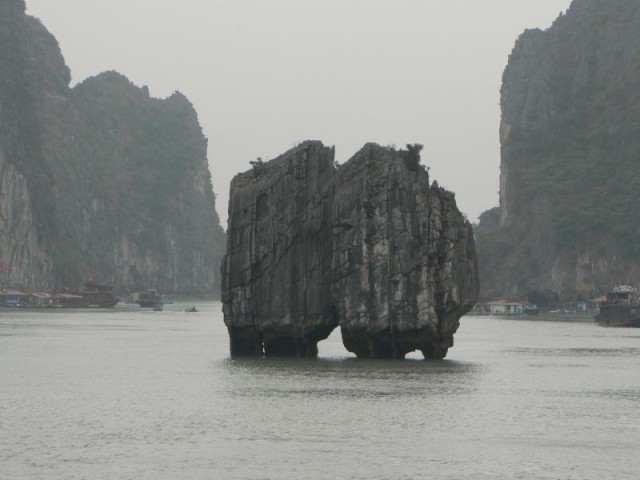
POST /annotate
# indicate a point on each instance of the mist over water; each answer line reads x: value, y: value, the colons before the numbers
x: 128, y: 393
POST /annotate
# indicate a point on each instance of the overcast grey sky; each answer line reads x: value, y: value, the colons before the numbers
x: 266, y: 74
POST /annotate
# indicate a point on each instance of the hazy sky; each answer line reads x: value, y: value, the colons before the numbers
x: 266, y: 74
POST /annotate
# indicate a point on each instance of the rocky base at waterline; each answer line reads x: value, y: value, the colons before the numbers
x: 369, y: 246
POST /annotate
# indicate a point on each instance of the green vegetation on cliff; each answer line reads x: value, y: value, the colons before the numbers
x: 570, y: 172
x: 117, y: 182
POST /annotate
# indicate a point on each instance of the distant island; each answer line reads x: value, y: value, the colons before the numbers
x: 568, y: 223
x: 99, y: 180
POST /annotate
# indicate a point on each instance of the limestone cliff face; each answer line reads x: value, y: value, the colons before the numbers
x: 21, y: 245
x: 100, y: 180
x: 570, y: 137
x: 276, y: 291
x: 369, y: 246
x: 18, y: 233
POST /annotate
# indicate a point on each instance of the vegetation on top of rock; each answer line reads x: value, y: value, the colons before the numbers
x: 411, y: 156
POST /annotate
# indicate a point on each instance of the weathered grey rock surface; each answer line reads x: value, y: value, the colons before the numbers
x: 369, y: 246
x: 276, y: 272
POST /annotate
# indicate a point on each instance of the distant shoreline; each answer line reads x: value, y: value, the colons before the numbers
x: 545, y: 316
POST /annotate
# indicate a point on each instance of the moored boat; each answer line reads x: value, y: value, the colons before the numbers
x: 147, y: 299
x: 621, y: 308
x: 90, y: 295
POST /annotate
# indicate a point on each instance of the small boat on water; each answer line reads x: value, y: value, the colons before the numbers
x: 147, y: 299
x: 191, y: 308
x: 621, y: 308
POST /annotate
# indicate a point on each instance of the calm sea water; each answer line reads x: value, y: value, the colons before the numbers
x: 133, y: 394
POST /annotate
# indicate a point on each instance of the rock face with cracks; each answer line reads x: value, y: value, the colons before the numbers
x: 368, y: 246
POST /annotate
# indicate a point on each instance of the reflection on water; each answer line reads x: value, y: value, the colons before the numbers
x: 348, y: 366
x: 142, y: 394
x: 348, y: 377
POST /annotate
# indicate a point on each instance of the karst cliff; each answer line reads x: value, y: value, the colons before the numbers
x: 369, y: 246
x: 567, y: 226
x: 100, y: 180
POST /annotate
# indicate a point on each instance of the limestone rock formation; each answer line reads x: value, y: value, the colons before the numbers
x: 99, y: 180
x: 20, y: 243
x: 570, y: 137
x: 276, y: 272
x: 403, y: 258
x: 368, y: 246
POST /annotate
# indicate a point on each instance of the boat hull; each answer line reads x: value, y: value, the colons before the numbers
x: 615, y: 315
x: 621, y: 309
x: 106, y: 304
x: 146, y: 303
x: 624, y: 323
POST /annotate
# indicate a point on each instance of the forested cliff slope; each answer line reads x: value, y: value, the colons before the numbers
x: 568, y: 223
x: 100, y: 180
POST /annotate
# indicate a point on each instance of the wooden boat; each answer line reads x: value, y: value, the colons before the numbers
x: 90, y: 295
x: 620, y: 309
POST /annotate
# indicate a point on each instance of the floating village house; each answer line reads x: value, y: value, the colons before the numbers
x: 12, y: 298
x: 501, y: 307
x: 40, y: 299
